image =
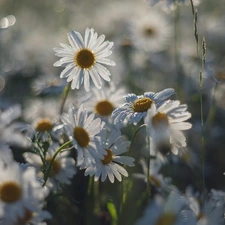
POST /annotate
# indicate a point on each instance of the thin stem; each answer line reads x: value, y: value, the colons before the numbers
x: 201, y: 106
x: 211, y: 113
x: 135, y: 133
x: 148, y: 188
x: 64, y: 97
x: 52, y: 161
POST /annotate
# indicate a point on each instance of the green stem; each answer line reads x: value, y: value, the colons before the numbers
x: 212, y: 109
x: 148, y: 185
x: 64, y: 97
x: 53, y: 159
x: 135, y: 133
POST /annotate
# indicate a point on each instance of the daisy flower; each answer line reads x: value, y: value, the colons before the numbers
x: 136, y: 106
x: 156, y: 179
x: 42, y: 116
x: 85, y: 132
x: 63, y: 167
x: 166, y: 123
x: 84, y: 58
x: 20, y: 191
x: 102, y: 102
x: 110, y: 166
x: 172, y: 4
x: 9, y: 128
x: 150, y: 31
x: 170, y: 211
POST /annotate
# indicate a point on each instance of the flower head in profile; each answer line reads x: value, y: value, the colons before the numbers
x: 136, y: 106
x: 85, y: 132
x: 83, y: 59
x: 165, y: 125
x: 110, y: 166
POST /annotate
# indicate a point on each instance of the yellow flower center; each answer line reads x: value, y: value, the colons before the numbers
x: 107, y: 158
x: 84, y: 58
x: 10, y: 192
x: 166, y: 219
x: 104, y: 108
x: 44, y: 125
x: 26, y: 218
x: 155, y: 181
x: 81, y: 136
x: 149, y: 31
x: 142, y: 105
x: 56, y: 167
x: 160, y: 119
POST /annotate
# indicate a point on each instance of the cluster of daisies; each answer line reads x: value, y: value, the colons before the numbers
x: 88, y: 136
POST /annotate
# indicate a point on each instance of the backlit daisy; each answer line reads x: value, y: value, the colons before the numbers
x: 102, y: 102
x: 150, y: 30
x: 84, y: 58
x: 63, y: 167
x: 166, y: 123
x: 136, y: 106
x: 85, y: 132
x: 170, y: 211
x: 110, y: 166
x: 9, y: 128
x: 156, y: 178
x: 20, y: 191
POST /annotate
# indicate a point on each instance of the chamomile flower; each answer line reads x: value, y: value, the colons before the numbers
x: 85, y: 133
x: 166, y: 123
x: 63, y: 167
x: 102, y: 102
x: 20, y: 191
x: 110, y: 166
x: 9, y: 128
x: 136, y: 106
x: 84, y: 58
x: 36, y: 217
x: 169, y: 211
x: 171, y: 4
x: 157, y: 180
x: 150, y: 31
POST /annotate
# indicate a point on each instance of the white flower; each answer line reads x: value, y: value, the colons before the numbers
x: 172, y: 4
x: 150, y: 31
x: 9, y: 129
x: 20, y: 191
x: 85, y: 132
x: 84, y: 58
x: 63, y: 167
x: 102, y: 102
x: 169, y: 211
x: 165, y: 124
x: 156, y: 179
x: 110, y: 166
x: 136, y: 107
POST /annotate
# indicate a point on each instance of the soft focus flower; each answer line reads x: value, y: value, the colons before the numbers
x: 9, y: 129
x: 20, y: 190
x: 150, y: 31
x: 84, y: 58
x: 102, y: 102
x: 63, y: 167
x: 136, y: 106
x: 85, y: 132
x: 110, y: 166
x: 165, y: 125
x: 168, y: 211
x: 156, y: 178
